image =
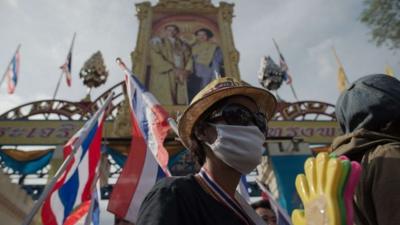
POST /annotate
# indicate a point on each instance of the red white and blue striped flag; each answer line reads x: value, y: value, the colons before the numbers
x: 243, y: 188
x: 12, y: 73
x: 67, y: 66
x: 238, y: 204
x: 75, y: 184
x: 148, y: 159
x: 282, y: 62
x: 78, y: 217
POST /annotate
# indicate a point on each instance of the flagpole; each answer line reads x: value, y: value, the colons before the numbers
x: 173, y: 125
x: 276, y: 46
x: 49, y: 187
x: 293, y: 92
x: 5, y: 73
x: 73, y: 42
x: 88, y: 218
x: 58, y: 84
x: 62, y: 70
x: 287, y: 68
x: 339, y: 62
x: 93, y: 187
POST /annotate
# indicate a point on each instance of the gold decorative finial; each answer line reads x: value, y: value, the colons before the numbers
x: 93, y: 72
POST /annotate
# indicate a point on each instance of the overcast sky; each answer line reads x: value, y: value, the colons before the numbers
x: 304, y: 30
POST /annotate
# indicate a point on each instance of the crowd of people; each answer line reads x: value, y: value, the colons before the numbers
x: 225, y: 127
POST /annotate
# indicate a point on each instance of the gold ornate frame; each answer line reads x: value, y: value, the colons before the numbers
x: 146, y: 13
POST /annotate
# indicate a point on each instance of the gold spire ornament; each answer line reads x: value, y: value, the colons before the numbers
x: 93, y: 72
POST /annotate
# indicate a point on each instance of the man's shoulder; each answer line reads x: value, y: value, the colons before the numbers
x: 387, y: 150
x: 173, y: 184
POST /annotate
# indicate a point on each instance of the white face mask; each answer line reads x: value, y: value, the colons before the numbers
x: 240, y: 147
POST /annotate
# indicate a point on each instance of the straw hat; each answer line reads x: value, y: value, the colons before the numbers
x: 216, y: 90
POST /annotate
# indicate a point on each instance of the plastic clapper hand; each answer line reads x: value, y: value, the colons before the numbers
x: 352, y: 181
x: 318, y: 190
x: 346, y: 167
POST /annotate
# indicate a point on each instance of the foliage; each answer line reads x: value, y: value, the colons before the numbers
x: 383, y: 17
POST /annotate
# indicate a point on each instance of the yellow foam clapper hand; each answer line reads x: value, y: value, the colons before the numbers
x: 318, y: 190
x: 346, y: 167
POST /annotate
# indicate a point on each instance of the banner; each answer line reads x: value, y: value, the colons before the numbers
x: 57, y: 132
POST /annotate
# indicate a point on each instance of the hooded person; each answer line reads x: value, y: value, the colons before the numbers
x: 225, y: 127
x: 368, y: 112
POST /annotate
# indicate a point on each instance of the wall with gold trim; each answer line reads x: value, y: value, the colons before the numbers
x: 58, y: 132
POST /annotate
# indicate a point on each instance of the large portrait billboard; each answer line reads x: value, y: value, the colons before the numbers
x: 184, y: 56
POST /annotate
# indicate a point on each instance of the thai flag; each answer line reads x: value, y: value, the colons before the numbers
x: 148, y: 159
x: 78, y: 217
x: 75, y: 184
x: 66, y: 67
x: 282, y: 62
x: 243, y: 188
x: 286, y: 76
x: 12, y: 73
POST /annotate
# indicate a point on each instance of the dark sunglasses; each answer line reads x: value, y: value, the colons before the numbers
x: 236, y: 114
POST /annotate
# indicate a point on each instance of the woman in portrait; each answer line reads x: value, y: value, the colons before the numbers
x: 207, y: 61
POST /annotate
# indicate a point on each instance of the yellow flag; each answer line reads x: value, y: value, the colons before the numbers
x: 342, y: 81
x: 389, y: 70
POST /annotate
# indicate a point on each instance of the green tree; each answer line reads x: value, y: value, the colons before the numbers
x: 383, y: 17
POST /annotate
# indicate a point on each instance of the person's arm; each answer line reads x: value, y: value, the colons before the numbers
x: 217, y: 61
x: 160, y: 207
x: 188, y: 59
x: 385, y: 174
x: 158, y: 60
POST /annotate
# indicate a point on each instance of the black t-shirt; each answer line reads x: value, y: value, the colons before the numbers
x: 176, y: 201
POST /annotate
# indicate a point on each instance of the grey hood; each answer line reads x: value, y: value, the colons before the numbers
x: 371, y: 103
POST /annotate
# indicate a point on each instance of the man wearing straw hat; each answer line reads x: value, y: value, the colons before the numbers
x: 225, y: 127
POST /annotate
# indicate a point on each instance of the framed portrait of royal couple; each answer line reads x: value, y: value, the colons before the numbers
x: 184, y: 56
x: 181, y: 47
